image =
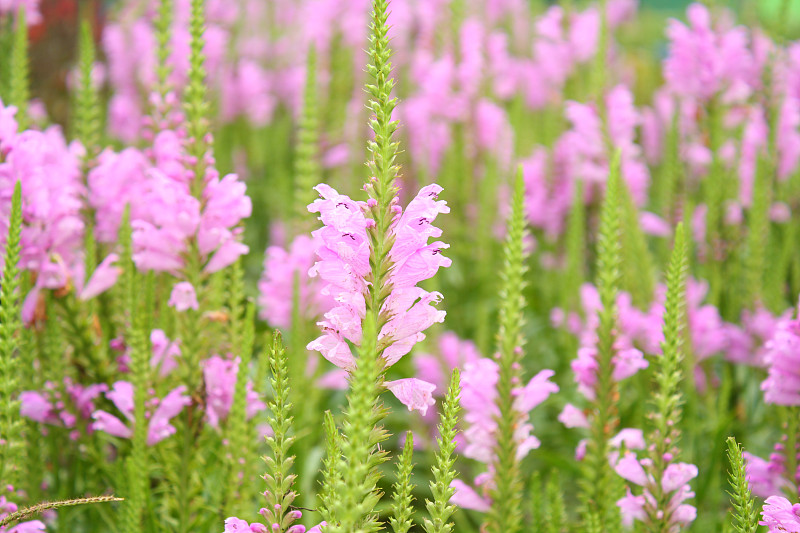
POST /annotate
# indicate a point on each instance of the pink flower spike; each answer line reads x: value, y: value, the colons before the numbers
x: 183, y: 297
x: 413, y: 393
x: 104, y: 277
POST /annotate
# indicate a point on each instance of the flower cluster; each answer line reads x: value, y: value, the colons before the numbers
x: 343, y: 266
x: 478, y: 398
x: 161, y: 411
x: 674, y: 483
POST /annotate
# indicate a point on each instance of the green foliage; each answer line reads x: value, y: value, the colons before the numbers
x: 19, y: 92
x: 576, y: 249
x: 195, y: 96
x: 598, y: 482
x: 505, y: 515
x: 88, y: 124
x: 745, y: 509
x: 402, y: 510
x: 306, y: 160
x: 555, y: 512
x: 638, y: 272
x: 669, y: 373
x: 328, y: 497
x: 357, y: 493
x: 10, y: 331
x: 163, y: 30
x: 279, y: 479
x: 238, y: 430
x: 440, y: 509
x: 137, y: 462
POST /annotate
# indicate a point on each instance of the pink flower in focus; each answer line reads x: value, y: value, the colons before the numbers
x: 413, y: 393
x: 343, y: 265
x: 780, y: 516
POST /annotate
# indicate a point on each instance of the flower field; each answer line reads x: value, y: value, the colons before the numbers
x: 348, y: 266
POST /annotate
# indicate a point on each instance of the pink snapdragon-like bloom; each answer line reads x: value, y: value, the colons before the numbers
x: 220, y: 377
x: 103, y: 278
x: 782, y: 357
x: 549, y: 189
x: 766, y: 478
x: 453, y: 353
x: 627, y: 362
x: 704, y: 61
x: 165, y: 352
x: 282, y: 270
x: 183, y: 297
x: 237, y: 525
x: 53, y: 407
x: 587, y: 149
x: 117, y: 180
x: 344, y: 264
x: 674, y: 482
x: 158, y: 429
x: 413, y: 393
x: 780, y: 516
x: 52, y: 191
x: 478, y: 399
x: 168, y: 221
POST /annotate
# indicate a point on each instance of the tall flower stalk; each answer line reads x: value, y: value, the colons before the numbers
x: 10, y: 331
x: 599, y: 480
x: 505, y: 515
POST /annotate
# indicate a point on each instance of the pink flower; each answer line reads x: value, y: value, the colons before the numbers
x: 704, y: 61
x: 343, y: 265
x: 572, y: 417
x: 765, y: 478
x: 104, y: 277
x: 782, y: 357
x: 780, y: 516
x: 633, y: 439
x: 183, y: 297
x: 237, y: 525
x: 677, y: 475
x: 220, y: 378
x: 629, y: 468
x: 35, y: 406
x: 159, y: 428
x: 282, y: 270
x: 413, y: 393
x: 165, y: 352
x: 466, y: 497
x: 453, y: 353
x: 478, y: 397
x: 632, y: 508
